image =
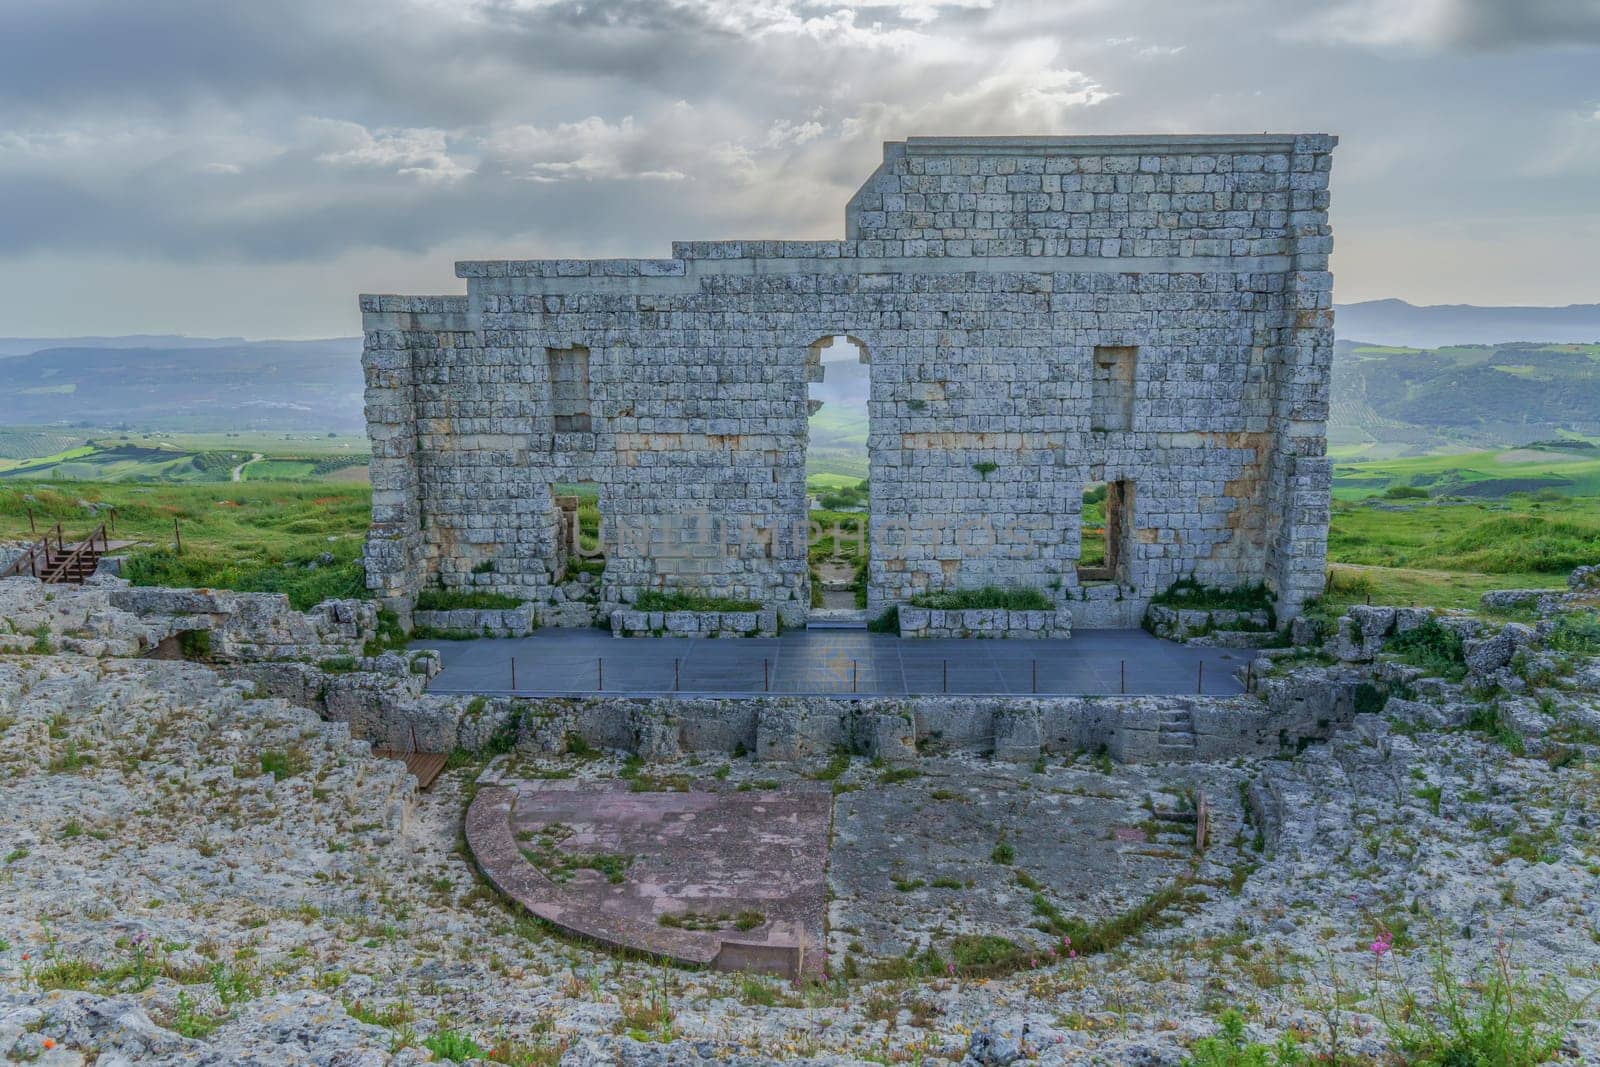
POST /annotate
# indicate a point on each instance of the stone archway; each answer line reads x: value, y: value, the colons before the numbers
x: 837, y: 479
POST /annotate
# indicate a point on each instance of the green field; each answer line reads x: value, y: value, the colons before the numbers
x: 113, y: 456
x: 255, y: 536
x: 1450, y: 527
x: 26, y: 443
x: 838, y: 443
x: 1572, y: 471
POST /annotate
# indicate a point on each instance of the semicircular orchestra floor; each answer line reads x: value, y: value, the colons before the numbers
x: 849, y: 865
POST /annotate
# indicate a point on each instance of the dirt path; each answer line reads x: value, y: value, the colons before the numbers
x: 238, y: 472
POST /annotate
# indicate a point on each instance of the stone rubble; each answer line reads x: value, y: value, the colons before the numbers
x: 183, y: 852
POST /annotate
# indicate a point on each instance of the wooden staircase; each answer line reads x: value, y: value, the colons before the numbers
x: 54, y: 560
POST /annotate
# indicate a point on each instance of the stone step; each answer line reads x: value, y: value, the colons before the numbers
x: 836, y: 619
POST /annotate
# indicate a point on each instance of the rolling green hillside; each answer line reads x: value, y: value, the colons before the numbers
x: 1569, y: 470
x: 1393, y: 401
x: 173, y: 457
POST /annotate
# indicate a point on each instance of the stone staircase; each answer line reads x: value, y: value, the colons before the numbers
x: 1175, y: 733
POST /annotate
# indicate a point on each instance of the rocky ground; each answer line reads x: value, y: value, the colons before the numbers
x: 189, y: 874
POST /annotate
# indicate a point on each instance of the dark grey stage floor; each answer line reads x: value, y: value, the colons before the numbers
x: 833, y: 663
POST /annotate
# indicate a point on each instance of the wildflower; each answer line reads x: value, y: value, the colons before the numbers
x: 49, y: 1043
x: 1383, y: 944
x: 949, y: 969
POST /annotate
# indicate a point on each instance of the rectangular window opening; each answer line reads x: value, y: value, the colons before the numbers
x: 569, y: 388
x: 1111, y: 406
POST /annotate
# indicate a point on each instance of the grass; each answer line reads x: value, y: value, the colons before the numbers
x: 1448, y: 554
x: 253, y: 537
x: 990, y: 596
x: 1188, y: 593
x: 460, y: 599
x: 261, y: 536
x: 653, y: 600
x: 454, y: 1046
x: 1576, y: 632
x: 1432, y: 648
x: 117, y: 456
x: 1228, y: 1048
x: 1518, y: 536
x: 1492, y: 474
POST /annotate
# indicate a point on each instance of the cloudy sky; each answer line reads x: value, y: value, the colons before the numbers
x: 214, y: 167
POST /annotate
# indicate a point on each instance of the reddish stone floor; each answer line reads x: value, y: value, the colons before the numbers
x: 710, y: 875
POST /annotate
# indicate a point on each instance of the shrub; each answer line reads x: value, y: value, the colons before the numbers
x: 281, y: 765
x: 1432, y: 648
x: 306, y: 586
x: 1344, y: 582
x: 1490, y: 720
x: 655, y: 600
x: 990, y: 596
x: 1369, y: 699
x: 1576, y: 632
x: 388, y: 637
x: 195, y: 644
x: 1524, y: 543
x: 1188, y: 593
x: 980, y: 952
x: 1500, y: 1017
x: 887, y: 623
x: 463, y: 600
x: 1405, y: 492
x: 454, y: 1046
x: 1228, y: 1048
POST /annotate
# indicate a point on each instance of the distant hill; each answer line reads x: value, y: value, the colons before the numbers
x: 1395, y: 322
x: 22, y: 346
x: 1410, y: 401
x: 1407, y: 380
x: 310, y: 385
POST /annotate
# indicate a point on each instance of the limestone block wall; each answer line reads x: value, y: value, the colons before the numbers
x: 984, y: 622
x: 981, y: 275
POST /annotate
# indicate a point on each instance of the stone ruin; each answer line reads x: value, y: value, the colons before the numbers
x: 1041, y: 314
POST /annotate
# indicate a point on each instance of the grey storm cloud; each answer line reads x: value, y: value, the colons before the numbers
x: 1472, y: 25
x: 301, y: 131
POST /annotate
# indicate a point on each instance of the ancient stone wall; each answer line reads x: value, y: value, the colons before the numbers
x: 1039, y: 314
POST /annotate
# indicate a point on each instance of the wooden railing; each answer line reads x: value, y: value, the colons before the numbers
x: 35, y: 557
x: 67, y: 564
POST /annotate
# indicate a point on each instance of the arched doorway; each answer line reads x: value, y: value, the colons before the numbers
x: 837, y: 486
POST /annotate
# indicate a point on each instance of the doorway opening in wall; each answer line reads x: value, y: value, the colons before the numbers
x: 1106, y: 518
x: 837, y: 489
x: 578, y: 537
